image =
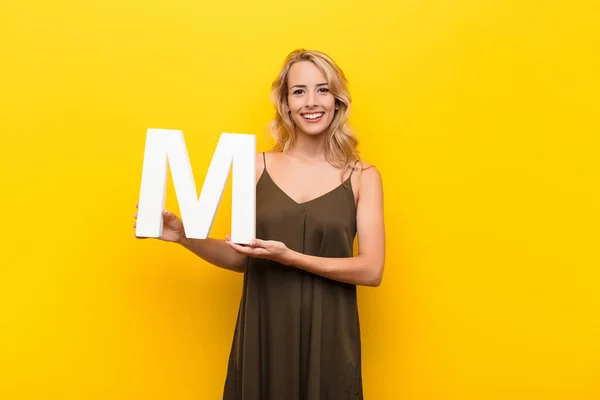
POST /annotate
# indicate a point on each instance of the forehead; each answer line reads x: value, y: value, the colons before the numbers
x: 305, y: 73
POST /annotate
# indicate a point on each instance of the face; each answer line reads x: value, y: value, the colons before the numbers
x: 312, y: 106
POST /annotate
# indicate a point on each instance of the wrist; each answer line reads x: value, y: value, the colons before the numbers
x: 290, y: 258
x: 184, y: 241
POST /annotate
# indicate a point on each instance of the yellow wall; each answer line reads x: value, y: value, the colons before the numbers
x: 481, y: 115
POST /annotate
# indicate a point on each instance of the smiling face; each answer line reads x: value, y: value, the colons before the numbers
x: 311, y: 105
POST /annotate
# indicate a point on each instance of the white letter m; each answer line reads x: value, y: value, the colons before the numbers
x: 166, y: 148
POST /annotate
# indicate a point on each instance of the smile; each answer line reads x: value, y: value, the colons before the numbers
x: 314, y: 117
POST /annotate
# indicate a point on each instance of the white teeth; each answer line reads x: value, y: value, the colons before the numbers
x: 313, y: 116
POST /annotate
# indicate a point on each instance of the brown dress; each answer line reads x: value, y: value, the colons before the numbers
x: 297, y: 335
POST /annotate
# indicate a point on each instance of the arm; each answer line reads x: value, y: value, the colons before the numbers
x: 216, y: 252
x: 364, y: 269
x: 367, y: 267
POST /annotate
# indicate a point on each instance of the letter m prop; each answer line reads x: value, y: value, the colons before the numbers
x: 166, y: 148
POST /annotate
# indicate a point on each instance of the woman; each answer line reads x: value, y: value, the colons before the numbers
x: 297, y: 335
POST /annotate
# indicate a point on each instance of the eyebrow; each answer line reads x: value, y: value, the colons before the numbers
x: 304, y: 86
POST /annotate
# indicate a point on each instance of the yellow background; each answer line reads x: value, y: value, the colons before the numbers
x: 482, y: 117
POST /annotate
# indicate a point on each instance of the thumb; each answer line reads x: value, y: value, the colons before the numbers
x: 168, y: 216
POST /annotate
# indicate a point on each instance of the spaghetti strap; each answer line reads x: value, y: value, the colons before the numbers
x: 264, y: 161
x: 353, y: 167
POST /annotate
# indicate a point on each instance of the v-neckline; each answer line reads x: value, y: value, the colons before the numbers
x: 265, y: 172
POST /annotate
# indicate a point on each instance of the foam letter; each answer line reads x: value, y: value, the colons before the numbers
x: 166, y: 148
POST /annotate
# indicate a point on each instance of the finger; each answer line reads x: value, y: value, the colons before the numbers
x: 168, y: 215
x: 238, y: 248
x: 135, y: 215
x: 249, y: 251
x: 258, y: 243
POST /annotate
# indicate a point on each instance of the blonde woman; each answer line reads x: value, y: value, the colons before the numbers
x: 297, y: 335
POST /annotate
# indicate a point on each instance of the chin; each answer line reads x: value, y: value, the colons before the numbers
x: 313, y: 130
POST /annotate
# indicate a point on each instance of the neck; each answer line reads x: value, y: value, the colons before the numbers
x: 309, y: 147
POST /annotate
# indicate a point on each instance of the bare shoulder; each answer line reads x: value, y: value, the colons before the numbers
x: 264, y: 159
x: 367, y: 179
x: 366, y: 168
x: 366, y: 173
x: 260, y: 165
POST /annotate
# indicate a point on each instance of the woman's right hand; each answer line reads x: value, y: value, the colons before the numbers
x: 172, y: 227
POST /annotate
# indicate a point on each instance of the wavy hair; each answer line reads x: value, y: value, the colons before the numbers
x: 340, y: 144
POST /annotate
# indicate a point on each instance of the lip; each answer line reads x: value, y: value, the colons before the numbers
x: 313, y: 121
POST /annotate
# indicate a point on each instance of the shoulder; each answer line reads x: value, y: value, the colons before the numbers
x: 366, y: 178
x: 365, y: 172
x: 364, y: 167
x: 259, y: 160
x: 263, y: 158
x: 259, y: 165
x: 262, y: 161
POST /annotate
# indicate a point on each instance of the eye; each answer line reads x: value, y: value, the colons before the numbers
x: 324, y: 90
x: 298, y: 91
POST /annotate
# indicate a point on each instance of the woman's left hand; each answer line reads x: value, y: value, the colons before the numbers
x: 268, y: 249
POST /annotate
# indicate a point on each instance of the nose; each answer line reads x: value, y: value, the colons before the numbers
x: 311, y: 99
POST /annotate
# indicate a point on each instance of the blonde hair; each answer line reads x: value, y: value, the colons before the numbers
x: 340, y: 145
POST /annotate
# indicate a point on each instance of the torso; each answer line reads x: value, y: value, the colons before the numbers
x: 298, y: 334
x: 304, y: 181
